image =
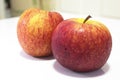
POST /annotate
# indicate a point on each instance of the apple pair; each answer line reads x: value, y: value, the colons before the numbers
x: 77, y: 44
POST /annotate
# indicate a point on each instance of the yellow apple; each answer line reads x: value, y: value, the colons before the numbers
x: 34, y: 31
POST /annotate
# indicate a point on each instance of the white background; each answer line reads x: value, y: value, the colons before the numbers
x: 107, y: 8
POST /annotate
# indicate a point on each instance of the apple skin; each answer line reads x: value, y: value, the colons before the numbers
x: 34, y: 31
x: 81, y: 47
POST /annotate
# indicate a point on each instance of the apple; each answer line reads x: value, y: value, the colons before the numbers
x: 34, y: 31
x: 81, y: 45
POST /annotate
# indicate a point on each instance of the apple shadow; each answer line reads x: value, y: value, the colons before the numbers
x: 26, y: 56
x: 59, y: 68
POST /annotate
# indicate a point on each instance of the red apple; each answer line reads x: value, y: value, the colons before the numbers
x: 81, y: 45
x: 34, y: 31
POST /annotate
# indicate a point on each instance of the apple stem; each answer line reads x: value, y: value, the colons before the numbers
x: 87, y: 18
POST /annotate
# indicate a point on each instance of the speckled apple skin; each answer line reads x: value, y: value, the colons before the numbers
x: 81, y: 47
x: 34, y: 31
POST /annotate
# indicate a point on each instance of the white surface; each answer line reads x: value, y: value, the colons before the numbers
x: 15, y: 64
